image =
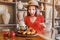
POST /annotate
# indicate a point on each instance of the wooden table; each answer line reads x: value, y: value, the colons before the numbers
x: 26, y: 38
x: 29, y: 38
x: 23, y: 38
x: 38, y: 37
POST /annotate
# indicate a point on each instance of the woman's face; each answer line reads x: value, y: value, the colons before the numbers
x: 32, y: 10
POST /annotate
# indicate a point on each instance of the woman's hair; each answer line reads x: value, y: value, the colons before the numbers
x: 28, y: 14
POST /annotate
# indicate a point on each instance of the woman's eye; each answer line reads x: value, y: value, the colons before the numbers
x: 33, y: 9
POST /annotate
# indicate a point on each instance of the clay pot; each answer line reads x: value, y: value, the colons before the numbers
x: 20, y: 5
x: 6, y: 17
x: 20, y: 15
x: 2, y: 9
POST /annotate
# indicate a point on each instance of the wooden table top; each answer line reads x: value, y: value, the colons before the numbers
x: 38, y: 37
x: 23, y: 38
x: 26, y: 38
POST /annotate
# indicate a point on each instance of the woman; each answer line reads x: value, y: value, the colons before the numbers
x: 33, y: 20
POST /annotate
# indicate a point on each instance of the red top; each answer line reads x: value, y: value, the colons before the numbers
x: 39, y: 28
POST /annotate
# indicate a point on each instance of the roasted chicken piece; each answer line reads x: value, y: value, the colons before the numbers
x: 24, y: 32
x: 20, y: 31
x: 28, y: 31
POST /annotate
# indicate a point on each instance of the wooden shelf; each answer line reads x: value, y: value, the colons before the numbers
x: 57, y: 27
x: 7, y: 25
x: 22, y: 10
x: 57, y: 18
x: 41, y: 2
x: 6, y: 2
x: 45, y: 3
x: 26, y: 10
x: 57, y: 5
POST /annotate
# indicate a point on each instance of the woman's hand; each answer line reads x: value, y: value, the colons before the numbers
x: 43, y: 24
